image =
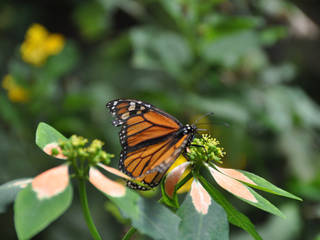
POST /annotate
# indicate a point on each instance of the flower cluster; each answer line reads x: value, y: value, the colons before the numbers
x: 39, y: 44
x: 76, y: 148
x: 205, y: 152
x: 16, y: 93
x: 205, y: 149
x: 84, y: 158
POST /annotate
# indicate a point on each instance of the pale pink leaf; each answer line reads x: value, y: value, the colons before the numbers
x: 106, y: 185
x: 200, y: 197
x: 48, y: 150
x: 232, y: 185
x: 114, y: 171
x: 51, y: 182
x: 173, y: 178
x: 236, y: 175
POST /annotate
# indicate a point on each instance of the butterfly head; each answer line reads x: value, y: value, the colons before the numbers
x: 187, y: 129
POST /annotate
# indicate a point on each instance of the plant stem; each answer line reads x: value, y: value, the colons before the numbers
x: 128, y: 235
x: 183, y: 181
x: 86, y: 212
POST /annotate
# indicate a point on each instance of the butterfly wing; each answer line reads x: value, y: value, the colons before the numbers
x: 151, y: 163
x: 141, y: 123
x: 149, y: 140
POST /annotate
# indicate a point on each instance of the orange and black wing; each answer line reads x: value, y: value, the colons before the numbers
x: 141, y: 123
x: 149, y: 164
x: 149, y: 140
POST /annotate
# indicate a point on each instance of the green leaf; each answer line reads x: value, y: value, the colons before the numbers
x: 194, y: 225
x: 230, y: 48
x: 263, y: 204
x: 266, y: 186
x: 281, y: 73
x: 173, y: 8
x: 156, y: 49
x: 250, y: 196
x: 150, y: 218
x: 9, y: 191
x: 157, y: 221
x: 32, y: 215
x: 172, y: 202
x: 46, y: 134
x: 227, y: 108
x: 234, y: 216
x: 271, y: 35
x: 183, y: 13
x: 128, y: 204
x: 218, y: 25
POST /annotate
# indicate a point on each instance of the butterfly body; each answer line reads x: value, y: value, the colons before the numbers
x: 151, y: 140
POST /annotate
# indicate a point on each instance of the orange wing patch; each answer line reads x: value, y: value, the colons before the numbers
x: 150, y: 163
x: 169, y: 154
x: 152, y: 178
x: 133, y: 129
x: 122, y: 105
x: 135, y: 161
x: 147, y: 134
x: 122, y: 110
x: 161, y: 120
x: 134, y: 120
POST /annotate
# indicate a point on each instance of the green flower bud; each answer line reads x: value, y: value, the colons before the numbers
x: 54, y: 152
x: 206, y: 149
x: 82, y: 152
x: 95, y: 146
x: 75, y: 147
x: 78, y: 141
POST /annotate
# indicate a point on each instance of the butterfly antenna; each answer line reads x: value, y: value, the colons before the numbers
x: 203, y: 124
x: 201, y: 117
x: 222, y: 124
x: 202, y: 129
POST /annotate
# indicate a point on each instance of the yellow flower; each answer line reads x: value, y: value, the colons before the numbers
x: 39, y: 44
x: 54, y: 44
x: 16, y: 93
x: 36, y: 33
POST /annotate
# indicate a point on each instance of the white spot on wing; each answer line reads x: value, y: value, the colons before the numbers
x: 131, y: 107
x: 125, y: 116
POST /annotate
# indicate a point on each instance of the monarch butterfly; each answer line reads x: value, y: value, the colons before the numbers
x: 151, y: 140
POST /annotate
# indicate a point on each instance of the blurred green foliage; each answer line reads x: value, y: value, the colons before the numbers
x: 246, y: 61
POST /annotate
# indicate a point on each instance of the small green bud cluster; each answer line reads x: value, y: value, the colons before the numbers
x: 205, y: 149
x: 54, y: 152
x: 76, y: 147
